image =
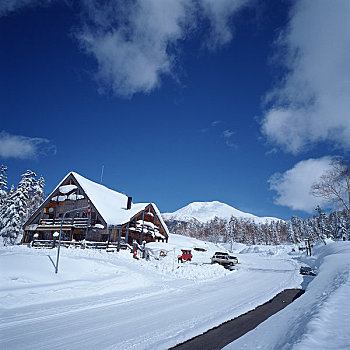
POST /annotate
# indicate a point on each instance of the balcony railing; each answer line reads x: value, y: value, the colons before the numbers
x: 109, y: 246
x: 76, y: 222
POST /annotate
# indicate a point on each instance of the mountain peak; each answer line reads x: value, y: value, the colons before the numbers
x: 206, y: 211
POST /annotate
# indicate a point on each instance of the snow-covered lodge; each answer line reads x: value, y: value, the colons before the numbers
x: 108, y: 215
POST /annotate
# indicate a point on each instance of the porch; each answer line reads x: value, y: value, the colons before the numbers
x: 53, y: 243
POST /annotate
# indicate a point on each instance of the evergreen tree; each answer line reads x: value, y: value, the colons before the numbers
x: 12, y: 190
x: 3, y: 193
x: 342, y: 232
x: 3, y: 183
x: 37, y: 195
x: 19, y: 206
x: 290, y: 233
x: 14, y: 216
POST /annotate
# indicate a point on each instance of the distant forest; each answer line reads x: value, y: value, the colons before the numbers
x: 334, y: 225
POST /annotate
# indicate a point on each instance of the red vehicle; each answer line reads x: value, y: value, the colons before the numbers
x: 185, y: 256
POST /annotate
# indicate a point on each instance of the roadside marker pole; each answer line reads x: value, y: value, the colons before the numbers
x: 174, y: 260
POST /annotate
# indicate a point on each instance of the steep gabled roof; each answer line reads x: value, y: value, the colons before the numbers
x: 110, y: 204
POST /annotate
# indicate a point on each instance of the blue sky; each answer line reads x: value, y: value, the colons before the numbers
x: 238, y: 101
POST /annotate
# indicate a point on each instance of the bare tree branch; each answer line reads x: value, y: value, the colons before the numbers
x: 334, y: 185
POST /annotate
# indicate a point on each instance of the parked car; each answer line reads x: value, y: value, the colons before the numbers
x: 185, y: 256
x: 224, y: 259
x: 307, y: 270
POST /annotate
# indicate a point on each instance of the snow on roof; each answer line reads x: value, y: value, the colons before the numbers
x: 112, y: 204
x: 67, y: 188
x: 161, y: 219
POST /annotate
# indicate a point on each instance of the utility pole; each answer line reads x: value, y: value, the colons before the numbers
x: 308, y: 246
x: 308, y: 242
x: 174, y: 260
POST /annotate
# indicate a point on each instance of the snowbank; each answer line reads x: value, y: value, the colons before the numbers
x: 320, y: 319
x: 266, y: 250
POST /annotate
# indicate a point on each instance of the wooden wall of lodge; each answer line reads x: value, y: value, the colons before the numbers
x: 136, y: 235
x: 65, y: 206
x: 59, y: 207
x: 97, y: 235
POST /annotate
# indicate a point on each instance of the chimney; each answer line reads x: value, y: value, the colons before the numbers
x: 129, y: 203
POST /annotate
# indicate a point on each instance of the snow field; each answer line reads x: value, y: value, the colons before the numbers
x: 90, y: 272
x: 103, y: 300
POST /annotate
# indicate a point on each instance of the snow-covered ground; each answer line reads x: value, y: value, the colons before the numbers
x: 101, y: 300
x: 320, y: 319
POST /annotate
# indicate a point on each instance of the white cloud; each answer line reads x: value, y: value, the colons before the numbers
x: 293, y: 186
x: 311, y: 104
x: 7, y: 6
x: 136, y: 43
x: 216, y: 122
x: 228, y: 133
x: 22, y: 147
x: 219, y: 13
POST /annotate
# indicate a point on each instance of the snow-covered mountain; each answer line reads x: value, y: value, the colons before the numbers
x: 205, y: 211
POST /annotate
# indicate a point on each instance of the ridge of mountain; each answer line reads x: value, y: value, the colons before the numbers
x: 206, y: 211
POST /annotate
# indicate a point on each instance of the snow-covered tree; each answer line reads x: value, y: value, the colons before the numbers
x: 37, y: 195
x: 290, y: 233
x: 3, y: 193
x: 334, y: 184
x: 3, y: 183
x: 14, y: 216
x: 20, y: 204
x: 338, y: 221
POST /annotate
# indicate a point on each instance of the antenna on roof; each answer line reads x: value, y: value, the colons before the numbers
x: 102, y: 173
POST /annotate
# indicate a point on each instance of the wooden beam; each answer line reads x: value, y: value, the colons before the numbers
x: 109, y: 237
x: 127, y: 233
x: 55, y: 212
x: 143, y: 218
x: 119, y: 237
